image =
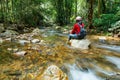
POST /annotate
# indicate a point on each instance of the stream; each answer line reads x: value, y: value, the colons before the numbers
x: 106, y: 69
x: 95, y: 69
x: 101, y: 62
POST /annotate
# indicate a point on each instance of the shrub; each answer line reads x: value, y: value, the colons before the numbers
x: 105, y: 21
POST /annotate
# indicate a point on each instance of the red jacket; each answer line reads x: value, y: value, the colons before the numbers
x: 76, y: 28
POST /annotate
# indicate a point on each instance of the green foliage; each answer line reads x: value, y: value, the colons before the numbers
x: 63, y: 9
x: 19, y: 11
x: 33, y: 18
x: 62, y: 12
x: 105, y: 21
x: 82, y: 9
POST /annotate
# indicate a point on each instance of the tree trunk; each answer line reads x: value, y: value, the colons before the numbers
x: 2, y: 17
x: 104, y: 7
x: 75, y: 8
x: 12, y: 19
x: 90, y: 14
x: 99, y: 8
x: 5, y: 13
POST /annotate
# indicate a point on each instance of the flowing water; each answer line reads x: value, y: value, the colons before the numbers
x: 114, y: 60
x: 110, y: 47
x: 101, y: 62
x: 77, y: 74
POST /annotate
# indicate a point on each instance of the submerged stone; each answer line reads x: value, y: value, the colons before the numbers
x: 53, y: 73
x: 29, y: 76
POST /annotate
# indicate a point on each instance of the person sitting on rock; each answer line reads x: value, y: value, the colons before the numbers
x: 74, y: 34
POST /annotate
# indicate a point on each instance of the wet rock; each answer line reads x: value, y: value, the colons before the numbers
x: 102, y: 39
x: 8, y: 39
x: 26, y: 30
x: 11, y: 49
x: 1, y: 40
x: 12, y: 27
x: 15, y: 50
x: 23, y: 42
x: 82, y: 44
x: 29, y: 76
x: 35, y: 47
x: 1, y: 28
x: 42, y: 42
x: 20, y: 53
x: 58, y: 28
x: 44, y: 35
x: 27, y: 36
x: 53, y: 73
x: 114, y: 77
x: 36, y: 31
x: 13, y: 72
x: 9, y: 33
x: 65, y: 31
x: 35, y: 41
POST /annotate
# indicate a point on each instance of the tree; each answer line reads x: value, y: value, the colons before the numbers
x: 76, y: 8
x: 63, y: 11
x: 1, y: 11
x: 101, y: 7
x: 90, y: 13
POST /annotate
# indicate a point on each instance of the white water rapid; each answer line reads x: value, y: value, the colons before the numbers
x: 114, y: 60
x: 76, y: 74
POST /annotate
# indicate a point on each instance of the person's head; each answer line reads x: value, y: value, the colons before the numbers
x: 78, y: 19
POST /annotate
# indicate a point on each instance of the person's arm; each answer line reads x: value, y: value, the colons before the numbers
x: 73, y: 30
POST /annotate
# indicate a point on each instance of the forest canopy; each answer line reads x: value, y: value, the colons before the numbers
x: 95, y: 13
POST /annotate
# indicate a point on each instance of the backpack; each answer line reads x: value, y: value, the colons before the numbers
x: 82, y: 33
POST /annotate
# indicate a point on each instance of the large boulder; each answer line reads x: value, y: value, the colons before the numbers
x: 82, y: 44
x: 53, y: 73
